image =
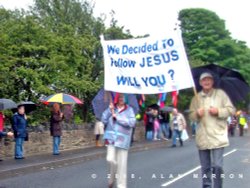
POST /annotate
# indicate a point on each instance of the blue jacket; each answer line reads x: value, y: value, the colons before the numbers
x: 118, y: 131
x: 19, y: 125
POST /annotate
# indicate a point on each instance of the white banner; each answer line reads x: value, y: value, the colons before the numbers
x: 146, y: 65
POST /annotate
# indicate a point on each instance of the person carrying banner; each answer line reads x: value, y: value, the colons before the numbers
x: 211, y: 108
x: 120, y: 120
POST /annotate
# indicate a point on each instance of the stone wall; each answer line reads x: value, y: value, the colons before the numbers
x: 41, y: 142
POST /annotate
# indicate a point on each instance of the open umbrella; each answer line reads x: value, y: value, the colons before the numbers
x: 167, y: 109
x: 7, y: 104
x: 154, y: 106
x: 100, y: 104
x: 231, y: 81
x: 62, y: 98
x: 187, y: 111
x: 28, y: 105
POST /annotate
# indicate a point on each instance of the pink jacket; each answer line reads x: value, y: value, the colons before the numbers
x: 1, y: 121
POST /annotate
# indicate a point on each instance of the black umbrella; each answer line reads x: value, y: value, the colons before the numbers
x: 231, y: 81
x: 7, y: 104
x: 187, y: 111
x: 28, y: 105
x: 154, y: 106
x: 167, y: 109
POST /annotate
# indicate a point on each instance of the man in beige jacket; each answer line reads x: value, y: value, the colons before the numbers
x: 178, y: 124
x: 211, y: 108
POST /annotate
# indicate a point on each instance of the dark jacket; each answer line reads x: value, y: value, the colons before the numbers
x: 56, y: 124
x: 165, y: 117
x: 150, y: 121
x: 19, y: 125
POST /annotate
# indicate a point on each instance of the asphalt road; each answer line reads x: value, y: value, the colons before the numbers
x: 161, y: 167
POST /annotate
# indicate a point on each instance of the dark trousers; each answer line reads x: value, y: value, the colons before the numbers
x: 211, y: 167
x: 170, y: 134
x: 232, y: 130
x: 97, y: 137
x: 241, y: 130
x: 132, y: 136
x: 177, y: 134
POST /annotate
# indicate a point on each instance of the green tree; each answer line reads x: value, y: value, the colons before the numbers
x: 207, y: 40
x: 24, y: 55
x: 53, y: 47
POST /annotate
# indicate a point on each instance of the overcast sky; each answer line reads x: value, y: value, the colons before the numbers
x: 155, y: 17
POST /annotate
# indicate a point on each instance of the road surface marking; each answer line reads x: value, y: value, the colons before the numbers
x: 191, y: 171
x: 230, y: 152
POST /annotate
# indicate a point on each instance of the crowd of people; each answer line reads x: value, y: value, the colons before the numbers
x: 238, y: 121
x: 20, y: 133
x: 212, y: 116
x: 208, y: 113
x: 164, y: 125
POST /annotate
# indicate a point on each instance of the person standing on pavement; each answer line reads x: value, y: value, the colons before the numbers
x: 8, y: 134
x: 242, y: 123
x: 178, y: 124
x: 99, y: 131
x: 2, y: 134
x: 232, y: 124
x: 149, y: 124
x: 145, y: 121
x: 2, y: 118
x: 211, y: 108
x: 120, y: 120
x: 157, y: 132
x: 56, y: 127
x: 248, y: 120
x: 193, y: 127
x: 164, y: 121
x: 19, y: 127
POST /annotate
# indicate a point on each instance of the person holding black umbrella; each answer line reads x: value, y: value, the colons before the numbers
x: 19, y: 126
x: 211, y: 108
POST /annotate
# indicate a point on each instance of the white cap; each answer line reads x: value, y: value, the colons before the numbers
x: 205, y: 75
